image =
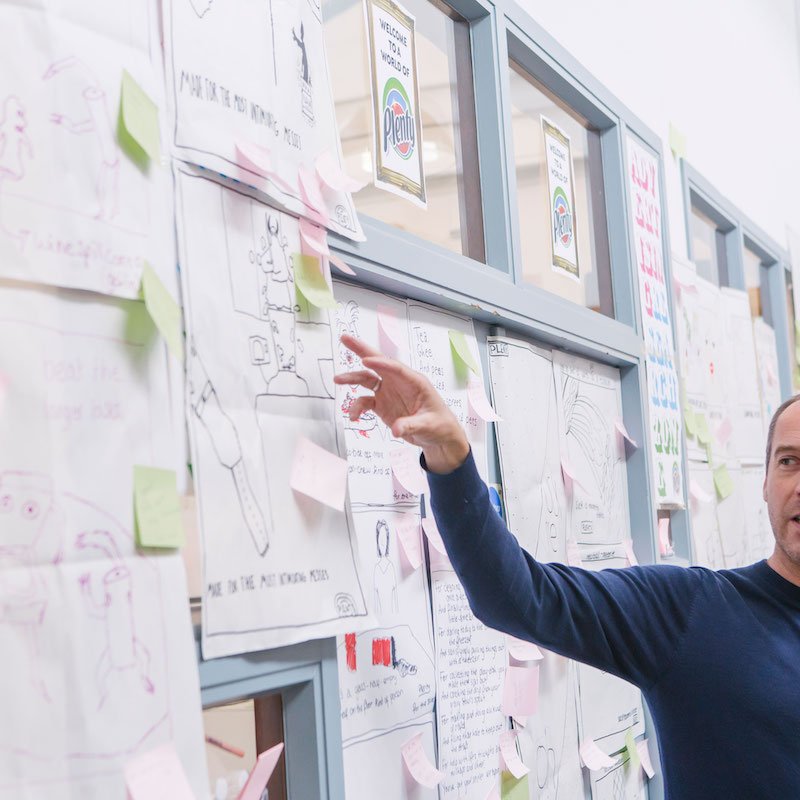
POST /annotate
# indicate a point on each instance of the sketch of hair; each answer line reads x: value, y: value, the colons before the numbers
x: 382, y: 527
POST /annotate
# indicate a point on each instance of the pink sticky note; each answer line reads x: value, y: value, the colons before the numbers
x: 341, y: 265
x: 724, y: 431
x: 261, y: 773
x: 390, y: 333
x: 494, y: 794
x: 432, y: 533
x: 315, y: 237
x: 624, y: 435
x: 632, y: 560
x: 157, y: 775
x: 664, y: 546
x: 407, y: 530
x: 418, y: 763
x: 407, y: 471
x: 478, y: 400
x: 568, y: 473
x: 311, y: 191
x: 522, y: 650
x: 573, y: 554
x: 331, y: 174
x: 696, y: 491
x: 644, y: 757
x: 319, y: 474
x: 508, y: 750
x: 593, y: 757
x: 254, y: 157
x: 521, y: 691
x: 771, y: 379
x: 439, y: 561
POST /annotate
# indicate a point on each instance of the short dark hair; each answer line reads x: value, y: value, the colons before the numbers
x: 773, y: 422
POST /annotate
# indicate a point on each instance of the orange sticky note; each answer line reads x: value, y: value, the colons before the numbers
x: 418, y: 763
x: 319, y: 474
x: 521, y: 691
x: 157, y: 775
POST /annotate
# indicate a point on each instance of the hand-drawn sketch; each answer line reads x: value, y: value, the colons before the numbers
x: 306, y: 93
x: 201, y: 7
x: 706, y: 540
x: 618, y: 782
x: 384, y: 575
x: 15, y: 147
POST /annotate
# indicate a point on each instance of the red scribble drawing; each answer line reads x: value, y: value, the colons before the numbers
x: 123, y: 649
x: 350, y: 648
x: 15, y: 146
x: 90, y: 115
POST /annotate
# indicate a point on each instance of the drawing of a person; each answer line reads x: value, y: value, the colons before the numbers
x: 300, y: 41
x: 384, y: 576
x: 347, y: 322
x: 15, y: 146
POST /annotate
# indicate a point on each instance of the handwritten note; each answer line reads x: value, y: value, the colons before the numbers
x: 723, y: 482
x: 157, y: 508
x: 478, y: 401
x: 508, y: 749
x: 408, y: 533
x: 319, y: 474
x: 407, y: 471
x: 261, y: 773
x: 310, y: 281
x: 593, y: 757
x: 460, y: 346
x: 139, y: 116
x: 521, y: 691
x: 418, y: 763
x: 163, y: 310
x: 157, y: 775
x: 522, y: 650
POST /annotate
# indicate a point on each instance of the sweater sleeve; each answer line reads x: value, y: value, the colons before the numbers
x: 629, y: 622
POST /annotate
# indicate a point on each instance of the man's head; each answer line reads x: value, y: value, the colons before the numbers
x: 782, y: 486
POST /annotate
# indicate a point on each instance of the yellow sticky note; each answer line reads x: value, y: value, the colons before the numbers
x: 677, y: 142
x: 723, y: 482
x: 139, y: 116
x: 163, y: 310
x: 458, y: 341
x: 310, y: 281
x: 633, y: 753
x: 512, y: 788
x: 157, y: 507
x: 701, y: 429
x: 709, y: 454
x: 690, y: 421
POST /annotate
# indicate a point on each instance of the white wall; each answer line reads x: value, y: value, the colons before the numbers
x: 726, y: 73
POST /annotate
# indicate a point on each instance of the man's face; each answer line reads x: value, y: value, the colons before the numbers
x: 782, y: 487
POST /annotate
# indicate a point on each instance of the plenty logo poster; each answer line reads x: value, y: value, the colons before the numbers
x: 397, y: 156
x: 561, y: 199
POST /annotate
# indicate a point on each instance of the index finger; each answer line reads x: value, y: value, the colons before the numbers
x: 358, y: 346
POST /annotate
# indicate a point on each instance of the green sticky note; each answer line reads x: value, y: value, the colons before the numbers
x: 157, y: 507
x: 310, y: 281
x: 633, y: 753
x: 458, y: 341
x: 512, y: 788
x: 163, y: 310
x: 701, y: 429
x: 690, y: 421
x: 139, y: 116
x: 723, y: 482
x: 709, y: 454
x: 677, y: 142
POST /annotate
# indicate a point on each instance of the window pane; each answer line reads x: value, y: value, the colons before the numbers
x: 233, y: 725
x: 529, y: 102
x: 752, y: 282
x: 704, y: 246
x: 453, y: 218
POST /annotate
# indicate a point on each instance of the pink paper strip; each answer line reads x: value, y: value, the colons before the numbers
x: 319, y: 474
x: 479, y: 401
x: 629, y: 552
x: 522, y: 650
x: 696, y: 491
x: 340, y: 265
x: 724, y: 431
x: 158, y: 775
x: 332, y: 175
x: 644, y: 757
x: 623, y: 432
x: 389, y: 329
x: 407, y: 471
x: 254, y: 157
x: 261, y: 773
x: 521, y: 691
x: 315, y: 237
x: 665, y: 548
x: 593, y: 757
x: 573, y: 554
x: 508, y: 750
x: 311, y: 194
x: 407, y: 530
x: 418, y: 763
x: 433, y: 535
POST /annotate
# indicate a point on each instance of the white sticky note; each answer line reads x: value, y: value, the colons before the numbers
x: 522, y: 650
x: 521, y: 691
x: 644, y: 757
x: 407, y: 530
x: 261, y: 773
x: 407, y: 471
x: 157, y: 775
x: 629, y: 552
x: 432, y: 533
x: 315, y: 237
x: 418, y: 763
x: 332, y: 175
x: 319, y: 474
x: 508, y: 750
x: 390, y: 333
x: 593, y: 757
x: 478, y: 400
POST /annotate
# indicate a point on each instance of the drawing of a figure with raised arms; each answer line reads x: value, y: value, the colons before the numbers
x: 227, y: 447
x: 384, y: 575
x: 15, y: 147
x: 90, y: 115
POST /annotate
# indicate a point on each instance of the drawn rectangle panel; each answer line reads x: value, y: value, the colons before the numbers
x: 75, y: 210
x: 263, y: 119
x: 278, y: 566
x: 86, y: 398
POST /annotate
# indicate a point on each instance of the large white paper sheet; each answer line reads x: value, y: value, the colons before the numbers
x: 278, y: 566
x: 760, y: 540
x: 275, y: 104
x: 589, y: 400
x: 99, y: 658
x: 768, y: 375
x: 706, y: 541
x: 619, y: 782
x: 75, y: 210
x: 732, y: 523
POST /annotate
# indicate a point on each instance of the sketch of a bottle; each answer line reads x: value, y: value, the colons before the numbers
x: 15, y: 147
x: 304, y: 76
x: 227, y: 447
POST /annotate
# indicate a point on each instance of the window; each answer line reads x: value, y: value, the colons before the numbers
x: 707, y: 247
x: 453, y: 218
x: 752, y: 282
x: 530, y: 102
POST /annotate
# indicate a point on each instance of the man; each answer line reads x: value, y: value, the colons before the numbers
x: 716, y: 654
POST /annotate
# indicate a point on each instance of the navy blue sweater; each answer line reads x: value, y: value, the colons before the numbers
x: 716, y: 654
